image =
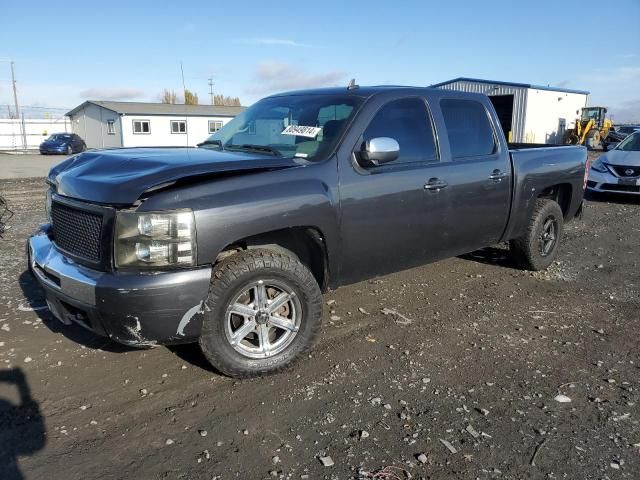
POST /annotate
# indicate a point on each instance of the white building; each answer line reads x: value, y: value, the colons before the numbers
x: 106, y: 124
x: 527, y: 113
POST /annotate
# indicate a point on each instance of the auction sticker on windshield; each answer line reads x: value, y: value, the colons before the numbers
x: 301, y: 131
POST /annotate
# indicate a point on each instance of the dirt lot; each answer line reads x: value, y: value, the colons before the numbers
x: 13, y: 165
x: 466, y: 375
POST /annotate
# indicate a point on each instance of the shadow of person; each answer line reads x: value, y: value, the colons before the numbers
x: 22, y: 429
x: 35, y: 297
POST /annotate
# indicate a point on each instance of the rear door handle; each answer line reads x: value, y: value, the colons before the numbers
x: 435, y: 185
x: 497, y: 175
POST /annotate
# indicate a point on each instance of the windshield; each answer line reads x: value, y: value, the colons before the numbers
x: 591, y: 114
x: 303, y: 126
x: 627, y: 130
x: 58, y: 137
x: 630, y: 144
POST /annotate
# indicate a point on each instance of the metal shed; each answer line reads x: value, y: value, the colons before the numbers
x: 528, y: 113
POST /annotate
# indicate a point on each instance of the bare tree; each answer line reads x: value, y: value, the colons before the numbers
x: 168, y: 96
x: 190, y: 98
x: 226, y: 101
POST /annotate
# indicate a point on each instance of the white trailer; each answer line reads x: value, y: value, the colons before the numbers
x: 528, y: 113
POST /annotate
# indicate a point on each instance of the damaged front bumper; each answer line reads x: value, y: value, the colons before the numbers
x: 607, y: 182
x: 131, y: 308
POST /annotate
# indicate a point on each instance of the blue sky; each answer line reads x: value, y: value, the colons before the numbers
x: 66, y: 52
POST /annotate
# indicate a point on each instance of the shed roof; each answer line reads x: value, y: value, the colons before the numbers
x: 511, y: 84
x: 142, y: 108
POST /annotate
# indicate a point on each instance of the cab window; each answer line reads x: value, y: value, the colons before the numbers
x: 407, y: 121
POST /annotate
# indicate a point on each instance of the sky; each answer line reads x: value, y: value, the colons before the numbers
x: 71, y: 51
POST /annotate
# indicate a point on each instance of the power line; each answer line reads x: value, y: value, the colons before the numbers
x: 38, y: 107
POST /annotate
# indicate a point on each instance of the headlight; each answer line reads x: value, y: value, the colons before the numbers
x: 155, y: 239
x: 598, y: 166
x: 47, y: 205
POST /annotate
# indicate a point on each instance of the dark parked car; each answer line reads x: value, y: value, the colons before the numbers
x: 619, y: 133
x: 231, y: 244
x: 63, y: 143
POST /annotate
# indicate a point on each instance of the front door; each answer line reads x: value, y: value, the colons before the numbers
x: 388, y: 221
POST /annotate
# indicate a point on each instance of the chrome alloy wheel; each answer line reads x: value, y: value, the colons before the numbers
x: 549, y: 236
x: 263, y: 319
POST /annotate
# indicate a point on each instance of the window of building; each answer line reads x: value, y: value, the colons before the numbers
x: 141, y: 127
x: 468, y: 128
x: 178, y: 126
x: 111, y: 127
x: 215, y: 125
x: 407, y: 121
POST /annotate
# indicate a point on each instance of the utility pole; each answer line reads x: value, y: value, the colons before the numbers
x: 15, y: 91
x: 17, y: 106
x: 211, y: 89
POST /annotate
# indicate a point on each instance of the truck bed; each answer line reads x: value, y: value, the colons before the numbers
x: 536, y: 166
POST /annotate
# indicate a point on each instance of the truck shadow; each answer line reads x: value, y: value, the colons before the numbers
x: 495, y: 255
x: 22, y: 427
x: 191, y: 354
x: 35, y: 296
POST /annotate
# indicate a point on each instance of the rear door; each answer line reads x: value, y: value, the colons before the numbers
x: 478, y: 177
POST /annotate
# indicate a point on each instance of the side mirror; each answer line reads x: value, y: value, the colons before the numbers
x: 380, y: 150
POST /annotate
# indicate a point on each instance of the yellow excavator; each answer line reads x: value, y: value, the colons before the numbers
x: 591, y: 128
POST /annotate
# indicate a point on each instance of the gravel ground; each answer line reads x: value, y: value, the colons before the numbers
x: 462, y: 376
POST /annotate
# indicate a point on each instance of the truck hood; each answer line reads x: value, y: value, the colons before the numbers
x: 121, y: 176
x: 622, y: 158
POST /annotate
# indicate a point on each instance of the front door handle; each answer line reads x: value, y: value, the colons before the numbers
x: 435, y: 185
x: 497, y: 175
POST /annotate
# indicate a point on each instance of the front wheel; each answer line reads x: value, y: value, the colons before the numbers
x: 264, y: 311
x: 538, y: 247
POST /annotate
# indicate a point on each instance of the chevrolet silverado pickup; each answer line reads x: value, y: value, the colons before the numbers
x: 232, y: 244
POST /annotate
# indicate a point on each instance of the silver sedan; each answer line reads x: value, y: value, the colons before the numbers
x: 618, y: 170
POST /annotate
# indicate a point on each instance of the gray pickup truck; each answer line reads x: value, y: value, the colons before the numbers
x: 231, y: 244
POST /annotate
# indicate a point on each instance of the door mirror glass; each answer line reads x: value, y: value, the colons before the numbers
x: 380, y: 150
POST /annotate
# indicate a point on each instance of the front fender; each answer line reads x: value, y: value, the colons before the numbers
x: 230, y: 209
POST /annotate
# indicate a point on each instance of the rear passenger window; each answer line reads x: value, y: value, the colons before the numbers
x: 407, y: 121
x: 468, y: 128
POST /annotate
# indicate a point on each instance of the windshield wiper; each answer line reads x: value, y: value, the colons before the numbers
x: 255, y: 148
x: 211, y: 142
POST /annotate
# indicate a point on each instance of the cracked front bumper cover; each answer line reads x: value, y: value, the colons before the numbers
x: 131, y: 308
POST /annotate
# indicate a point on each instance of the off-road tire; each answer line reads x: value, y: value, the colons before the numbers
x: 526, y: 250
x: 229, y: 278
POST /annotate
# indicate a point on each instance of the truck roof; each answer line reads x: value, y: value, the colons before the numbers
x: 359, y: 91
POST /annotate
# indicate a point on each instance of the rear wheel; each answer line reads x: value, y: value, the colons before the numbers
x: 69, y: 150
x: 264, y: 311
x: 538, y: 247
